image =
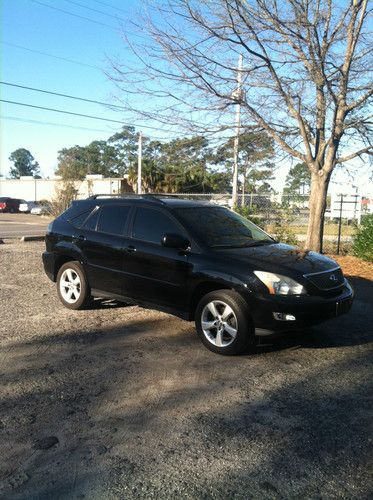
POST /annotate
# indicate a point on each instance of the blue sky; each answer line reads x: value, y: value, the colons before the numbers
x: 33, y: 28
x: 37, y: 27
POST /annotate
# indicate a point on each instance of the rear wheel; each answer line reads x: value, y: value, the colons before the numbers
x: 223, y: 323
x: 72, y: 286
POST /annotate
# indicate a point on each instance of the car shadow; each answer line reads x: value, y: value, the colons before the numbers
x: 129, y: 401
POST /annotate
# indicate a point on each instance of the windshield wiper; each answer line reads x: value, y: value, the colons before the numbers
x: 247, y: 244
x: 258, y: 243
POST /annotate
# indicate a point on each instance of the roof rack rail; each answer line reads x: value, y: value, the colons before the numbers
x: 150, y: 196
x: 106, y: 195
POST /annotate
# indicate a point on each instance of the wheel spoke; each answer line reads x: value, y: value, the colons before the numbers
x: 69, y: 293
x: 211, y: 307
x: 219, y: 340
x: 227, y: 312
x: 231, y: 331
x: 69, y: 275
x: 219, y: 323
x: 207, y: 325
x: 76, y: 280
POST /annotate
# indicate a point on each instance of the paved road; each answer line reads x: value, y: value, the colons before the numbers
x: 17, y: 225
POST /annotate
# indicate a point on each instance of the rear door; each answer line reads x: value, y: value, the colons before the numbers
x: 102, y: 240
x: 158, y: 275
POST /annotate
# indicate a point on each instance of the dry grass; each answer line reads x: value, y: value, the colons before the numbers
x: 353, y: 266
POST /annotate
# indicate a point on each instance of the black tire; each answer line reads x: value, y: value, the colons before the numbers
x: 80, y: 299
x: 240, y: 320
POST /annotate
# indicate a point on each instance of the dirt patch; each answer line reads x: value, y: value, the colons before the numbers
x: 353, y: 266
x: 120, y: 402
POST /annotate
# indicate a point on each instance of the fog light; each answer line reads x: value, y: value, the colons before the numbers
x: 283, y: 317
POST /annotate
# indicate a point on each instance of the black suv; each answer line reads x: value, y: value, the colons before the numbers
x: 193, y: 259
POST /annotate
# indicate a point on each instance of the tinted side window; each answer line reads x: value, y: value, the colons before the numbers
x: 91, y: 222
x: 78, y: 220
x: 151, y: 225
x: 113, y: 219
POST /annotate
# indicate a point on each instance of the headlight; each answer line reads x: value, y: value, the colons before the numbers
x: 280, y: 285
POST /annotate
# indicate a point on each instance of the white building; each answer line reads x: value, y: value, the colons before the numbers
x: 30, y: 189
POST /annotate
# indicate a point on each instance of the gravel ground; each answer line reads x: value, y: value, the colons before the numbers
x: 120, y: 402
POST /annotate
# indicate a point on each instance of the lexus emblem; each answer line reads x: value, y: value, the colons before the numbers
x: 332, y: 277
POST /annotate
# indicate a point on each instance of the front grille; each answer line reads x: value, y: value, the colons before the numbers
x: 327, y: 280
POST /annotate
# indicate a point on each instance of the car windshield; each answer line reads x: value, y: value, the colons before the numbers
x: 218, y: 227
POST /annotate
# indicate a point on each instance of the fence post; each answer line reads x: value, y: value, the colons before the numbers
x: 340, y: 224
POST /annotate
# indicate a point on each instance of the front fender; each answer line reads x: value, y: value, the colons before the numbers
x: 230, y: 280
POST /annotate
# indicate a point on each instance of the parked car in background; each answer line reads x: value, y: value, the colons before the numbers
x: 41, y: 209
x: 27, y: 206
x: 10, y: 205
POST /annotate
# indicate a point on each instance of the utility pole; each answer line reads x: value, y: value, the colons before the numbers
x: 139, y: 164
x: 238, y: 95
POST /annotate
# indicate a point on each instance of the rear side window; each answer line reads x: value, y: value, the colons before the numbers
x: 74, y: 210
x: 150, y: 225
x: 113, y: 218
x: 78, y: 220
x: 91, y: 222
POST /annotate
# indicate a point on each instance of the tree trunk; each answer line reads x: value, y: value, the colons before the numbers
x: 317, y: 206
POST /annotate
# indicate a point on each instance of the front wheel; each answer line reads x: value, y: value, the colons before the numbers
x: 72, y: 286
x: 224, y: 324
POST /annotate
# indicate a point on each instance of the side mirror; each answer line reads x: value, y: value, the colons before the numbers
x: 177, y: 241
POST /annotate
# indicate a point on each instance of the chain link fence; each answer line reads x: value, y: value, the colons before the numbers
x: 285, y: 216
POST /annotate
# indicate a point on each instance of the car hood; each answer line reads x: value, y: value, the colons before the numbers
x: 279, y: 258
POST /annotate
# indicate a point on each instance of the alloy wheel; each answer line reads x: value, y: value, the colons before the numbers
x: 219, y: 323
x: 70, y: 286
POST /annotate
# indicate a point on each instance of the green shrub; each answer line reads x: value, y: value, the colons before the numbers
x: 251, y: 213
x: 283, y: 233
x: 275, y: 221
x: 363, y: 239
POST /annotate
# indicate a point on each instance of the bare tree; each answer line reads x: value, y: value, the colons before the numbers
x: 307, y: 77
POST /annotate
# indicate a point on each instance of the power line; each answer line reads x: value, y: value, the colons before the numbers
x: 63, y: 95
x: 93, y: 10
x: 50, y: 55
x: 65, y: 125
x: 61, y: 111
x: 108, y: 5
x: 72, y: 14
x: 84, y: 116
x: 39, y: 122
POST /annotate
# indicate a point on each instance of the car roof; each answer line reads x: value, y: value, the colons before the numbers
x: 152, y: 200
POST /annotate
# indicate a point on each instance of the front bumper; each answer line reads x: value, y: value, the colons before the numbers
x: 308, y: 310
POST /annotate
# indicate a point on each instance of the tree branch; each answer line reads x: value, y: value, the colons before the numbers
x: 368, y: 150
